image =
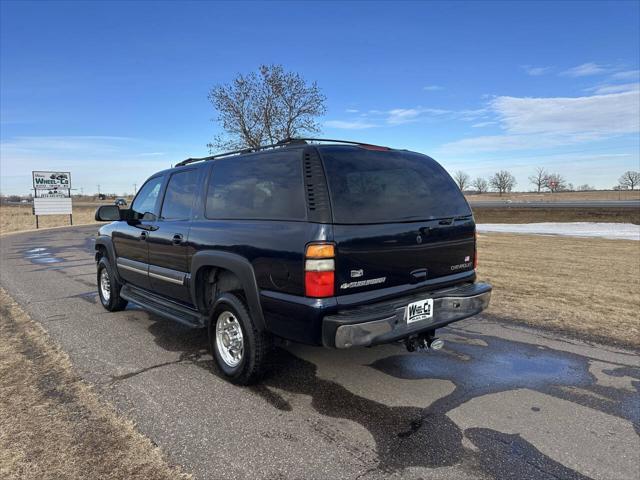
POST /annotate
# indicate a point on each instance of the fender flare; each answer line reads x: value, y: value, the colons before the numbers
x: 240, y: 267
x: 107, y: 242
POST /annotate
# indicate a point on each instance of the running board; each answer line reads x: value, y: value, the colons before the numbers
x: 163, y: 307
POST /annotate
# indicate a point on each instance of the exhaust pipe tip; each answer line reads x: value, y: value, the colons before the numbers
x: 436, y: 344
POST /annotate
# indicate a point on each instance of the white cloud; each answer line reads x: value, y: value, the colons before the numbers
x: 535, y: 123
x: 495, y: 143
x: 63, y: 143
x: 470, y: 115
x: 619, y: 88
x: 602, y: 114
x: 398, y: 116
x: 535, y: 71
x: 483, y: 124
x: 626, y: 75
x: 80, y: 154
x: 432, y: 88
x: 151, y: 154
x: 351, y: 110
x: 584, y: 70
x: 349, y: 125
x: 401, y: 116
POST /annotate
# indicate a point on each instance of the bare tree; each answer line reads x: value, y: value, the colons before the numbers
x: 481, y: 185
x: 555, y: 182
x: 585, y: 188
x: 502, y: 181
x: 630, y: 179
x: 462, y: 179
x: 538, y: 179
x: 265, y: 107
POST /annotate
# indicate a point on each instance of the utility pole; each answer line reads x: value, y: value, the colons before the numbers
x: 135, y: 185
x: 98, y: 189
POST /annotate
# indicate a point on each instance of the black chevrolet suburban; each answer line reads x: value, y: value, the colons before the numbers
x: 323, y: 242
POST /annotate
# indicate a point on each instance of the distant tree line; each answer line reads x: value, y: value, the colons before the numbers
x: 542, y: 181
x: 501, y: 182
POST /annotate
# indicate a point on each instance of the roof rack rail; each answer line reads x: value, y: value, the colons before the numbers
x: 281, y: 143
x: 329, y: 140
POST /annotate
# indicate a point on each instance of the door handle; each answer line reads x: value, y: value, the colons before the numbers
x: 143, y: 235
x: 177, y: 239
x: 419, y: 275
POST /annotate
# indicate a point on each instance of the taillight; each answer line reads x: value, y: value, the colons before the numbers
x: 319, y: 270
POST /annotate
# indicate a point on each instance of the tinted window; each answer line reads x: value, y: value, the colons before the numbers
x: 179, y: 196
x: 146, y: 199
x: 369, y: 186
x: 262, y: 186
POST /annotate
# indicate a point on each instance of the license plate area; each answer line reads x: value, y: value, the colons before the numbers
x: 418, y: 311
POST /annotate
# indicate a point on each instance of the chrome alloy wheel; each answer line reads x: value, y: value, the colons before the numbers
x: 105, y: 285
x: 229, y: 339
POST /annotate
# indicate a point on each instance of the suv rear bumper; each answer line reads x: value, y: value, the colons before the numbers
x: 385, y: 322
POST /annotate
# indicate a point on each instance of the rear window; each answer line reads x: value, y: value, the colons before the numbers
x: 179, y: 196
x: 262, y: 186
x: 368, y: 186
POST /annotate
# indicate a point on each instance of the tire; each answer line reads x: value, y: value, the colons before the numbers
x: 231, y: 317
x: 109, y: 292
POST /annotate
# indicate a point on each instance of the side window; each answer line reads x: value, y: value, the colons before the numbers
x: 179, y: 196
x: 146, y: 199
x: 260, y: 186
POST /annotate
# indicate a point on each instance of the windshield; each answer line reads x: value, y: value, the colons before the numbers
x: 368, y: 186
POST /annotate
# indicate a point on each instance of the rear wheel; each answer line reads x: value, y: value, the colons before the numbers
x: 109, y: 287
x: 240, y: 349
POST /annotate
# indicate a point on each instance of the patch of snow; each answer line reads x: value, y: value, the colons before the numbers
x: 617, y: 231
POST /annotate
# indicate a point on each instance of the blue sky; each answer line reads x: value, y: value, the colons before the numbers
x: 117, y: 90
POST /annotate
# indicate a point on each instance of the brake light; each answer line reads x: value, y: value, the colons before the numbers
x: 373, y: 147
x: 319, y: 270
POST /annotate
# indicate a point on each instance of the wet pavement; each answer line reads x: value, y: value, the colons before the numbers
x: 499, y: 401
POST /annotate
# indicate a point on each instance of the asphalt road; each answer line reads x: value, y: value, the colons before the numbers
x: 584, y: 204
x: 498, y: 402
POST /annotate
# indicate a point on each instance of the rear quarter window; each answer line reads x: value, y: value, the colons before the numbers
x: 264, y: 186
x: 370, y: 186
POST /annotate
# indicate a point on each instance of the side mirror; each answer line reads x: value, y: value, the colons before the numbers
x: 108, y: 213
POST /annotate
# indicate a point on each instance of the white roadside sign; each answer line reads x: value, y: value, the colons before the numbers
x: 52, y: 194
x: 52, y: 206
x: 52, y: 181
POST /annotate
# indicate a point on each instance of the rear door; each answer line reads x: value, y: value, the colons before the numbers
x: 169, y: 241
x: 399, y: 219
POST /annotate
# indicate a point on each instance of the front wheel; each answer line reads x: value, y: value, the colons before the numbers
x: 109, y: 287
x: 240, y: 349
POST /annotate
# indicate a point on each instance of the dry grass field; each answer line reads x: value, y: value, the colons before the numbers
x: 52, y: 426
x: 16, y: 218
x: 582, y: 286
x: 599, y: 195
x: 517, y: 214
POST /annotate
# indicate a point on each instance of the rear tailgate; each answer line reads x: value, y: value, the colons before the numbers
x: 378, y: 256
x: 398, y: 219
